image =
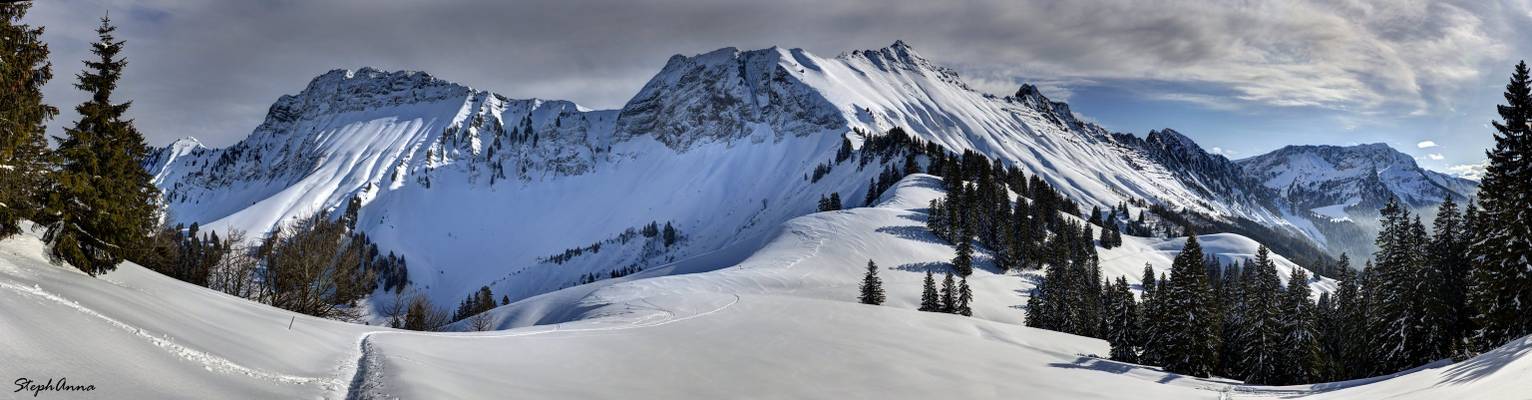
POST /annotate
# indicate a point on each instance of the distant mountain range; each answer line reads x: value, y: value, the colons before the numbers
x: 477, y: 188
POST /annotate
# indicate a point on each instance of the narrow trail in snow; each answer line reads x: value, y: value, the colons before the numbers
x: 209, y: 361
x: 365, y: 382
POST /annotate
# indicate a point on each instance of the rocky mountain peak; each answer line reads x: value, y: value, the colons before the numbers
x: 722, y: 94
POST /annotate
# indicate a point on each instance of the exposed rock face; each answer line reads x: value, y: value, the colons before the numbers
x: 726, y: 95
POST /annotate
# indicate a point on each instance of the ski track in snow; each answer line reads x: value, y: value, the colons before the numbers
x: 366, y: 384
x: 209, y: 361
x: 367, y: 369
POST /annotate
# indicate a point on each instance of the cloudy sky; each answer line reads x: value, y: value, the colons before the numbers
x: 1241, y: 77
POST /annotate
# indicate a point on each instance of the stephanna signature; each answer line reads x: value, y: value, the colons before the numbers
x: 62, y: 385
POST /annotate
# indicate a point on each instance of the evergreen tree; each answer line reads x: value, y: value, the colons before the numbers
x: 1400, y: 323
x: 1325, y: 324
x: 872, y: 287
x: 949, y: 294
x: 102, y: 204
x: 1191, y: 342
x: 1501, y: 288
x: 1350, y: 329
x: 1299, y: 359
x: 1231, y: 291
x: 24, y: 68
x: 962, y: 263
x: 1149, y: 320
x: 1122, y: 322
x: 929, y: 301
x: 965, y: 297
x: 1262, y: 321
x: 1448, y: 256
x: 1106, y: 236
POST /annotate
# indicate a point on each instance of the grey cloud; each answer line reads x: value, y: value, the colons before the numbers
x: 210, y: 68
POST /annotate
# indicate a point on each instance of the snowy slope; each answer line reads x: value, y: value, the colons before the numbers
x: 136, y: 334
x: 782, y: 324
x: 475, y: 188
x: 821, y: 256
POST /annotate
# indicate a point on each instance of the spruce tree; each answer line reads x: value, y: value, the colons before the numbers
x: 949, y: 294
x: 1122, y: 322
x: 1501, y: 288
x: 24, y: 68
x: 669, y: 235
x: 872, y: 287
x: 1150, y: 339
x: 1351, y: 323
x: 962, y: 263
x: 102, y: 204
x: 1231, y: 291
x: 1299, y: 359
x: 1106, y: 236
x: 1448, y: 259
x: 929, y: 301
x: 1400, y: 322
x: 965, y: 297
x: 1191, y: 343
x: 1262, y: 322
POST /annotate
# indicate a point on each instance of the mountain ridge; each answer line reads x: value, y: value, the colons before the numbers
x: 439, y: 167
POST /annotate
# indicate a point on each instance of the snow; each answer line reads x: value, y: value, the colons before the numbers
x: 781, y: 323
x: 718, y: 144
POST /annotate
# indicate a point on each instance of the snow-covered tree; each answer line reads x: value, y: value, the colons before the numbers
x: 1261, y: 321
x: 1122, y: 321
x: 1191, y: 342
x: 1299, y: 359
x: 1402, y: 333
x: 1501, y: 285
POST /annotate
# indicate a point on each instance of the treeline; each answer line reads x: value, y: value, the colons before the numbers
x: 1111, y: 226
x: 667, y: 236
x: 1458, y: 289
x: 1299, y: 249
x: 875, y: 149
x: 475, y: 308
x: 315, y: 265
x: 978, y: 206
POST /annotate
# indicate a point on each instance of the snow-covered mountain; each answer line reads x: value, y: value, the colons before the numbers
x: 1326, y: 179
x: 529, y: 195
x: 1334, y: 192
